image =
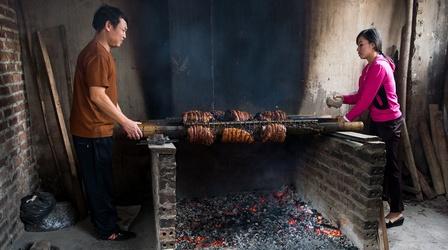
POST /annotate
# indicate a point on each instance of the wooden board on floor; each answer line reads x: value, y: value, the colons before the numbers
x: 409, y: 160
x: 439, y: 140
x: 354, y: 136
x: 431, y: 158
x: 77, y: 196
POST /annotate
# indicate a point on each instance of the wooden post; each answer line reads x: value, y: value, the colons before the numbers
x: 434, y: 167
x: 76, y: 188
x: 439, y: 140
x: 68, y: 72
x: 33, y: 66
x: 402, y: 72
x: 425, y: 186
x: 383, y: 240
x: 409, y: 159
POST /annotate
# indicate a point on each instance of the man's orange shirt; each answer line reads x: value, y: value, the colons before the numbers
x: 95, y: 68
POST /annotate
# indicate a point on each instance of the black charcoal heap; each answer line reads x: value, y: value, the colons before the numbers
x: 256, y: 220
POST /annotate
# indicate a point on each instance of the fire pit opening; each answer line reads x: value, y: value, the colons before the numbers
x: 313, y: 191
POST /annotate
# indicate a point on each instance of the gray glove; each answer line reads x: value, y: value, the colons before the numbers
x: 334, y: 102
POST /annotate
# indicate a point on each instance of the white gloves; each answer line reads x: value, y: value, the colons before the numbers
x: 334, y: 101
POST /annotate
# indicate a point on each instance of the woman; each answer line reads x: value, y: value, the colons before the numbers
x: 377, y: 92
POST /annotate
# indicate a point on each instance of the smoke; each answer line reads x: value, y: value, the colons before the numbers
x: 224, y: 54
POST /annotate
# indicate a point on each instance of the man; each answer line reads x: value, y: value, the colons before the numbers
x: 94, y: 111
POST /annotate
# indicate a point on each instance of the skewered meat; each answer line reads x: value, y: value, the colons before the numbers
x: 218, y: 115
x: 236, y: 135
x: 273, y: 133
x: 276, y: 115
x: 196, y: 116
x: 236, y: 115
x: 200, y: 135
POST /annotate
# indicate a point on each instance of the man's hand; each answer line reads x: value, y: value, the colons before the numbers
x: 132, y: 130
x: 335, y: 101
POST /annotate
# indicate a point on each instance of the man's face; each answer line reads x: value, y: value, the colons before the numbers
x: 116, y: 35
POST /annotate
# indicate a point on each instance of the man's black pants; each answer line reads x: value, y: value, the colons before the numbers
x: 390, y: 132
x: 95, y: 162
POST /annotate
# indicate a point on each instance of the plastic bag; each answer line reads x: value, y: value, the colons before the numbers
x: 62, y: 216
x: 34, y: 208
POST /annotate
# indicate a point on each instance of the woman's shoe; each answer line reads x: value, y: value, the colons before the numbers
x: 395, y: 223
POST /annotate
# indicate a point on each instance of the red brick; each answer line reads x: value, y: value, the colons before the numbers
x: 5, y: 79
x: 6, y: 56
x: 9, y: 24
x: 4, y: 91
x: 9, y: 13
x: 8, y: 34
x: 19, y: 108
x: 13, y: 121
x: 10, y: 45
x: 16, y: 88
x: 6, y: 101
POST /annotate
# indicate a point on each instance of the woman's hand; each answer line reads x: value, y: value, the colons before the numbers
x: 342, y: 119
x: 335, y: 101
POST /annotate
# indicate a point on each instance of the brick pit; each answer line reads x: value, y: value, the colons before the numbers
x: 342, y: 179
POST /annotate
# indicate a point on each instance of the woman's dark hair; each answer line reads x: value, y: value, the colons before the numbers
x: 373, y: 36
x: 107, y: 13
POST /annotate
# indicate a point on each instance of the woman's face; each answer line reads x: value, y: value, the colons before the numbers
x: 365, y: 48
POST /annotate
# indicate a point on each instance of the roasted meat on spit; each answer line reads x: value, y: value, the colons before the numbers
x: 273, y: 133
x: 277, y: 115
x: 218, y: 115
x: 237, y: 116
x: 200, y: 135
x: 194, y: 116
x: 236, y: 135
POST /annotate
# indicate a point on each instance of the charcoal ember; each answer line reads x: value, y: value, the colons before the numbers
x: 218, y: 115
x: 277, y: 115
x: 195, y: 116
x: 236, y: 135
x: 200, y: 135
x: 255, y: 220
x: 237, y: 116
x: 273, y: 133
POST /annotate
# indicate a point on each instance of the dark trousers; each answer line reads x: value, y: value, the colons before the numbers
x: 390, y: 132
x: 95, y: 162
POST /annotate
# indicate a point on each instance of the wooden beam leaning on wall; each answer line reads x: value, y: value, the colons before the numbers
x: 439, y: 140
x: 34, y: 75
x: 431, y: 158
x: 76, y: 195
x: 409, y: 161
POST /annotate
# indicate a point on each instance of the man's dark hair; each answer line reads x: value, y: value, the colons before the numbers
x: 373, y: 36
x: 107, y: 13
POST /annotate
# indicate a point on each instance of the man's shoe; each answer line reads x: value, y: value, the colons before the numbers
x: 395, y: 223
x: 121, y: 235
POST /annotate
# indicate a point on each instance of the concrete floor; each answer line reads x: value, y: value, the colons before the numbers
x: 425, y: 227
x: 81, y: 236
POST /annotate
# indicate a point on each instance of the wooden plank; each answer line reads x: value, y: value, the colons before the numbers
x: 68, y: 72
x: 409, y: 189
x: 409, y: 159
x: 431, y: 158
x: 33, y: 66
x: 439, y: 140
x: 76, y: 188
x: 403, y: 66
x: 354, y: 136
x: 383, y: 240
x: 425, y: 186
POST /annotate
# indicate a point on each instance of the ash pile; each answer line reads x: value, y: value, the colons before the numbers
x: 255, y: 220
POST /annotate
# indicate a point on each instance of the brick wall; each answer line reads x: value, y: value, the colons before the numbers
x: 343, y: 179
x: 17, y: 164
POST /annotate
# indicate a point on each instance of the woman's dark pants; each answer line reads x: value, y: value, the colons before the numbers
x: 390, y: 132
